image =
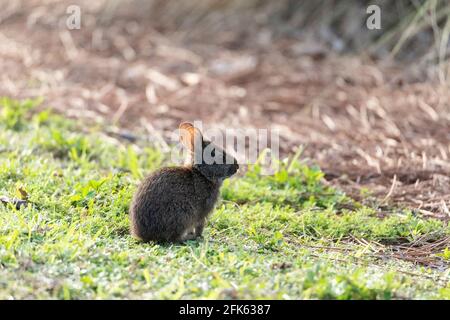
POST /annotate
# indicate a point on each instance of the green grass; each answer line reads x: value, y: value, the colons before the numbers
x: 286, y: 236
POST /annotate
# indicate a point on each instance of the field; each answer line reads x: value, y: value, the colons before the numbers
x: 286, y: 236
x: 358, y: 209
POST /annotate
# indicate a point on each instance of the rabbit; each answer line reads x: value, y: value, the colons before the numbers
x: 172, y: 204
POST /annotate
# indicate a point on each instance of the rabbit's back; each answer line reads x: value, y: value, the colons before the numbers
x: 166, y: 181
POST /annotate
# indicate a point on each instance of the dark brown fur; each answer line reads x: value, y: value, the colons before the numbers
x: 172, y: 204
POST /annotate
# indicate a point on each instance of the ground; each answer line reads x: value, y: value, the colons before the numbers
x: 379, y: 126
x: 283, y: 236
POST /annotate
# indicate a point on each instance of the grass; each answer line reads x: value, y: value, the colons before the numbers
x: 286, y: 236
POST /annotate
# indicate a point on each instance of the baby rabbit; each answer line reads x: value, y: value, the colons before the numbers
x: 172, y: 204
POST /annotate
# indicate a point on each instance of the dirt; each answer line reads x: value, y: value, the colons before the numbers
x: 376, y: 128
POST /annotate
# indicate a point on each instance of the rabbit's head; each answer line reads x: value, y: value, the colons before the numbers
x: 206, y: 157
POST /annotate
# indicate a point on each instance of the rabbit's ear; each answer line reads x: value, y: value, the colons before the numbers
x: 190, y: 136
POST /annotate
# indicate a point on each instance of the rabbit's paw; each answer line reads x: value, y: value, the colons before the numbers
x: 189, y: 234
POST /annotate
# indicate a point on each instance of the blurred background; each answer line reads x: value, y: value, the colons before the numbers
x: 371, y: 107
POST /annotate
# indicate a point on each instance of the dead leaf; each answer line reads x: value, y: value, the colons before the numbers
x: 22, y: 193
